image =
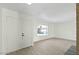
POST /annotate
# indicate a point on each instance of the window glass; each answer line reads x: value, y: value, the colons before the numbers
x: 42, y: 30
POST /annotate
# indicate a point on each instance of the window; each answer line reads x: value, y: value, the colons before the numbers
x: 42, y: 30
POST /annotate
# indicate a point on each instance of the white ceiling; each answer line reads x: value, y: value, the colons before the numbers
x: 54, y: 12
x: 51, y: 12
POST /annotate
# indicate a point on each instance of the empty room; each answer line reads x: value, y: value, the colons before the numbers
x: 37, y: 29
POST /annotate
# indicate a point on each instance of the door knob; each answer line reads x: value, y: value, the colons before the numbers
x: 22, y: 34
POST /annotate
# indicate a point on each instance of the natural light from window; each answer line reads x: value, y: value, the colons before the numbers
x: 42, y: 30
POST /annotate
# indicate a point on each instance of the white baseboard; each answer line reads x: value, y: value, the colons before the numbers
x: 63, y: 38
x: 5, y: 53
x: 55, y: 38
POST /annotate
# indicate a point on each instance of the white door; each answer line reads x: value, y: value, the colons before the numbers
x: 12, y: 33
x: 12, y: 29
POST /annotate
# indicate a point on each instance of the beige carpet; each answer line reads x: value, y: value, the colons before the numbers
x: 46, y: 47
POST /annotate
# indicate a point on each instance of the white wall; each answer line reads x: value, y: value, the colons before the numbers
x: 27, y: 30
x: 0, y: 32
x: 66, y: 30
x: 50, y: 30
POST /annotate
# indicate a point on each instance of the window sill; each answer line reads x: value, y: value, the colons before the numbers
x: 42, y: 34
